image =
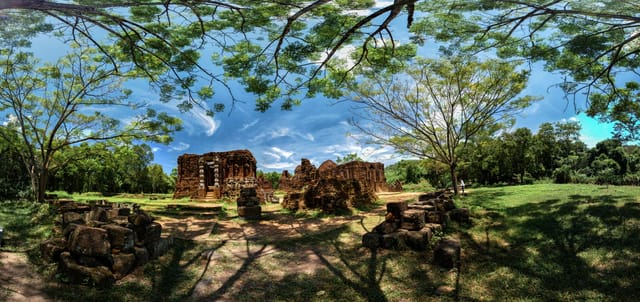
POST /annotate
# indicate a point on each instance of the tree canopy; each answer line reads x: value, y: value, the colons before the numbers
x: 435, y: 107
x: 51, y: 107
x: 288, y: 50
x: 277, y: 49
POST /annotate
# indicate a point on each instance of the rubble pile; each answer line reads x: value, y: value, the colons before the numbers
x: 100, y: 243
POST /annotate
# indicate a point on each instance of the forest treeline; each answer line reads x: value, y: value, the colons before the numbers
x: 100, y: 167
x: 554, y: 152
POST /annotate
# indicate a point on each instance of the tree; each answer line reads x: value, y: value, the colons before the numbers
x: 13, y: 176
x: 435, y: 107
x: 53, y: 106
x: 595, y: 45
x: 348, y: 158
x: 275, y: 48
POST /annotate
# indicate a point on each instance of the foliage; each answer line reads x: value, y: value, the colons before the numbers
x: 435, y: 107
x: 348, y: 158
x: 594, y: 45
x: 276, y: 49
x: 272, y: 177
x: 110, y: 168
x: 53, y: 106
x: 13, y: 175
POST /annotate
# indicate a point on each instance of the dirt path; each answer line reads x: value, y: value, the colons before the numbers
x: 18, y: 281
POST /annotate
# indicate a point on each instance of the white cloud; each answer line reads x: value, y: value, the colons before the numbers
x: 155, y: 149
x: 207, y: 122
x: 283, y: 153
x: 181, y: 146
x: 279, y: 166
x: 282, y: 132
x: 249, y: 125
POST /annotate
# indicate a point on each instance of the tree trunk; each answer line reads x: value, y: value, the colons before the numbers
x: 42, y: 184
x: 454, y: 177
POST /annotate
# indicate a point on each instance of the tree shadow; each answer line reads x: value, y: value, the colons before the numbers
x: 568, y: 249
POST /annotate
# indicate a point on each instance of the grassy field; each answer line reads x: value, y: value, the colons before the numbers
x: 541, y: 242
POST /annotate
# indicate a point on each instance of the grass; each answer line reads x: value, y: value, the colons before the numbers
x: 542, y: 242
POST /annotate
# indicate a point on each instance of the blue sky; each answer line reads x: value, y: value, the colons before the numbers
x: 319, y: 128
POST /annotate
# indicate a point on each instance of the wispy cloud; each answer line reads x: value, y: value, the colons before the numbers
x: 249, y: 125
x: 181, y: 146
x: 282, y: 132
x: 209, y: 124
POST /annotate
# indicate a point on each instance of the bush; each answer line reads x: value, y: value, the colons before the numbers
x: 562, y: 175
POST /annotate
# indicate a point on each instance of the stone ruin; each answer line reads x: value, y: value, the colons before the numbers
x: 369, y: 174
x: 100, y: 243
x: 216, y: 175
x: 412, y: 226
x: 249, y: 204
x: 332, y: 187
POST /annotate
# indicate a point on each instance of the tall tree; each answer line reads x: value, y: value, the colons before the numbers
x: 52, y: 106
x: 594, y: 44
x: 435, y: 107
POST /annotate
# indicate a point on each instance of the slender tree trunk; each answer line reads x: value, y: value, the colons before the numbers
x: 42, y: 184
x: 454, y: 177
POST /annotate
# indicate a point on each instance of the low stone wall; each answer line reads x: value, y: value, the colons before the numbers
x: 100, y: 243
x: 412, y: 226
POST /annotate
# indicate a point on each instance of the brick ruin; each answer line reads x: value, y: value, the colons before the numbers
x: 215, y: 175
x: 100, y: 243
x: 369, y: 174
x: 332, y: 187
x: 412, y: 225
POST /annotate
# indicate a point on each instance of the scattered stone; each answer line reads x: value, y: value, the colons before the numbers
x: 444, y: 290
x: 447, y: 253
x: 371, y: 240
x: 95, y: 252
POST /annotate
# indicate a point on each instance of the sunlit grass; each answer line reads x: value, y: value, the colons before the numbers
x: 543, y: 242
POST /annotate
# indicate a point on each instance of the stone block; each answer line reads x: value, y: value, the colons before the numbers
x: 434, y: 227
x: 432, y: 217
x: 89, y: 241
x: 413, y: 220
x: 250, y: 212
x: 371, y: 240
x: 52, y: 248
x: 97, y: 214
x: 116, y: 212
x: 390, y: 241
x: 397, y: 208
x: 121, y: 238
x: 386, y: 227
x: 122, y: 265
x: 418, y: 240
x: 448, y: 204
x: 447, y: 253
x: 72, y: 217
x: 142, y: 255
x: 100, y: 276
x: 159, y: 247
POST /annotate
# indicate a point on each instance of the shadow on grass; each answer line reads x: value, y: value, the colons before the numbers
x: 577, y: 249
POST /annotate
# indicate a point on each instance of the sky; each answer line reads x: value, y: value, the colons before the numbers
x: 319, y: 129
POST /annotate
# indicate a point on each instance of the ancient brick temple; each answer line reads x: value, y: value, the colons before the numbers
x: 369, y: 174
x: 215, y: 175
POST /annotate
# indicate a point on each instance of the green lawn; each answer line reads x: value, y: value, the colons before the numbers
x: 542, y: 242
x: 552, y: 243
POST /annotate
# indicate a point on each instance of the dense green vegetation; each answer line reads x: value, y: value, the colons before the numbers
x: 554, y: 153
x: 546, y: 242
